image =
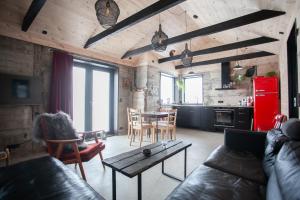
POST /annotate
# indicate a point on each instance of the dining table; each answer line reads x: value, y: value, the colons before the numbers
x: 155, y: 116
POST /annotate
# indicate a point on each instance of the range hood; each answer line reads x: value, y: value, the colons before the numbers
x: 225, y: 76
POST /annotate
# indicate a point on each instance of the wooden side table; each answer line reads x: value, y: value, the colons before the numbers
x: 4, y: 155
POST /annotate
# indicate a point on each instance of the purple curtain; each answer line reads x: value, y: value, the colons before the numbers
x: 61, y: 97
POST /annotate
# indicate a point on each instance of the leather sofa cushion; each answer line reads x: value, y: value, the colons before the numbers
x: 43, y: 178
x: 287, y: 170
x: 206, y: 183
x: 243, y: 164
x: 273, y: 190
x: 275, y: 140
x: 291, y: 128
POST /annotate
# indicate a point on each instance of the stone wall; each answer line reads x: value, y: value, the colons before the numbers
x: 23, y: 58
x: 125, y: 88
x: 212, y: 79
x: 147, y: 85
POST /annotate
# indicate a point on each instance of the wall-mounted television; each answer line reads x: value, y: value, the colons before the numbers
x: 24, y: 90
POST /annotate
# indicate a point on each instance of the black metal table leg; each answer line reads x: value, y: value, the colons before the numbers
x: 156, y: 129
x: 171, y: 176
x: 139, y: 186
x: 184, y: 163
x: 114, y: 192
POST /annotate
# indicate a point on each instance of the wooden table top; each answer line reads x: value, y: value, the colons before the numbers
x: 135, y: 162
x: 155, y: 114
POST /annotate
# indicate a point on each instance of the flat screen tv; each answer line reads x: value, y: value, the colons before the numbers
x: 24, y: 90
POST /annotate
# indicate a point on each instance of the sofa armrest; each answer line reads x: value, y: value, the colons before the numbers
x: 241, y: 140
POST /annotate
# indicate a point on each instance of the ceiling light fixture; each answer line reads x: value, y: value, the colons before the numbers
x: 237, y: 65
x: 159, y: 38
x: 186, y: 55
x: 107, y: 12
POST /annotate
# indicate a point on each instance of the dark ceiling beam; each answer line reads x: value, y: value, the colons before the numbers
x: 226, y: 47
x: 142, y: 15
x: 223, y: 26
x: 229, y: 59
x: 32, y: 12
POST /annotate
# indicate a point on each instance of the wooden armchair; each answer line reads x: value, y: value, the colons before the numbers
x: 56, y: 148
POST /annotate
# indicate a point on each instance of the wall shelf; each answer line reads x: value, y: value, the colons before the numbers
x: 225, y: 89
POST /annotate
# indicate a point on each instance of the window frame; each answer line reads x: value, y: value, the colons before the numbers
x: 90, y: 66
x: 160, y: 88
x: 184, y: 92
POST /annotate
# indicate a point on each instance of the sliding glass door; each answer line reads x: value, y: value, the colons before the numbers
x: 93, y: 89
x: 101, y: 103
x: 79, y: 98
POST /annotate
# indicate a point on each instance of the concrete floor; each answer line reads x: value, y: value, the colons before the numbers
x: 155, y: 186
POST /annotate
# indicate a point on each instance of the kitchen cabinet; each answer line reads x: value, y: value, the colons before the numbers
x: 243, y: 118
x: 207, y: 119
x: 203, y: 117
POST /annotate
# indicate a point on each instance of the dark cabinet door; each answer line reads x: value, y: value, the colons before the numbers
x: 194, y: 117
x: 188, y: 116
x: 207, y: 119
x: 243, y: 118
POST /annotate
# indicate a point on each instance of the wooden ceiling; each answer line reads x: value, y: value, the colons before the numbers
x: 70, y: 23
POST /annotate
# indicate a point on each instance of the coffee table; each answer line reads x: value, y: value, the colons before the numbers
x: 134, y: 163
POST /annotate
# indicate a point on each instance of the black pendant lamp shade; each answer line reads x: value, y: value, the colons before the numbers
x: 107, y: 12
x: 186, y: 56
x: 158, y: 41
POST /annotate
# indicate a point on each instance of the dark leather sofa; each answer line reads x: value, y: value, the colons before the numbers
x: 249, y: 166
x: 43, y: 178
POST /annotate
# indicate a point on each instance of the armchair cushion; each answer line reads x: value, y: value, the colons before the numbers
x: 86, y: 154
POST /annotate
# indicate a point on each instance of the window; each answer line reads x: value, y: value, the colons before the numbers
x: 166, y: 89
x: 193, y: 90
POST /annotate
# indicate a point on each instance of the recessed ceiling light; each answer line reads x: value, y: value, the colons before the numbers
x: 172, y: 53
x: 195, y: 16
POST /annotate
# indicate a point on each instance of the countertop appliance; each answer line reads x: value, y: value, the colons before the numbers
x: 266, y: 102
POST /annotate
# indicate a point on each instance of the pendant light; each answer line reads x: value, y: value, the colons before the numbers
x: 158, y: 41
x: 237, y: 65
x: 186, y: 55
x: 107, y: 12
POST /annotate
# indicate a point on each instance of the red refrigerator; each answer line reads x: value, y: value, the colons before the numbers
x: 266, y: 102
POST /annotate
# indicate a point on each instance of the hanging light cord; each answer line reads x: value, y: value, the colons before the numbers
x: 186, y: 28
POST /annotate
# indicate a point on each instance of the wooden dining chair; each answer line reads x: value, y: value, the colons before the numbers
x: 138, y: 126
x: 129, y: 131
x: 56, y: 148
x: 167, y: 126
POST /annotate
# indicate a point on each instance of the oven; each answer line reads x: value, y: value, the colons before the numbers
x: 224, y: 117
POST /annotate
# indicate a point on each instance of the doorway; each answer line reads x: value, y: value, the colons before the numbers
x: 93, y: 97
x: 292, y: 72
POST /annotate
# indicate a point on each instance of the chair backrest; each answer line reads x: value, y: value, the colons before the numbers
x: 45, y: 132
x: 128, y: 115
x: 135, y: 116
x: 172, y: 116
x: 279, y: 120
